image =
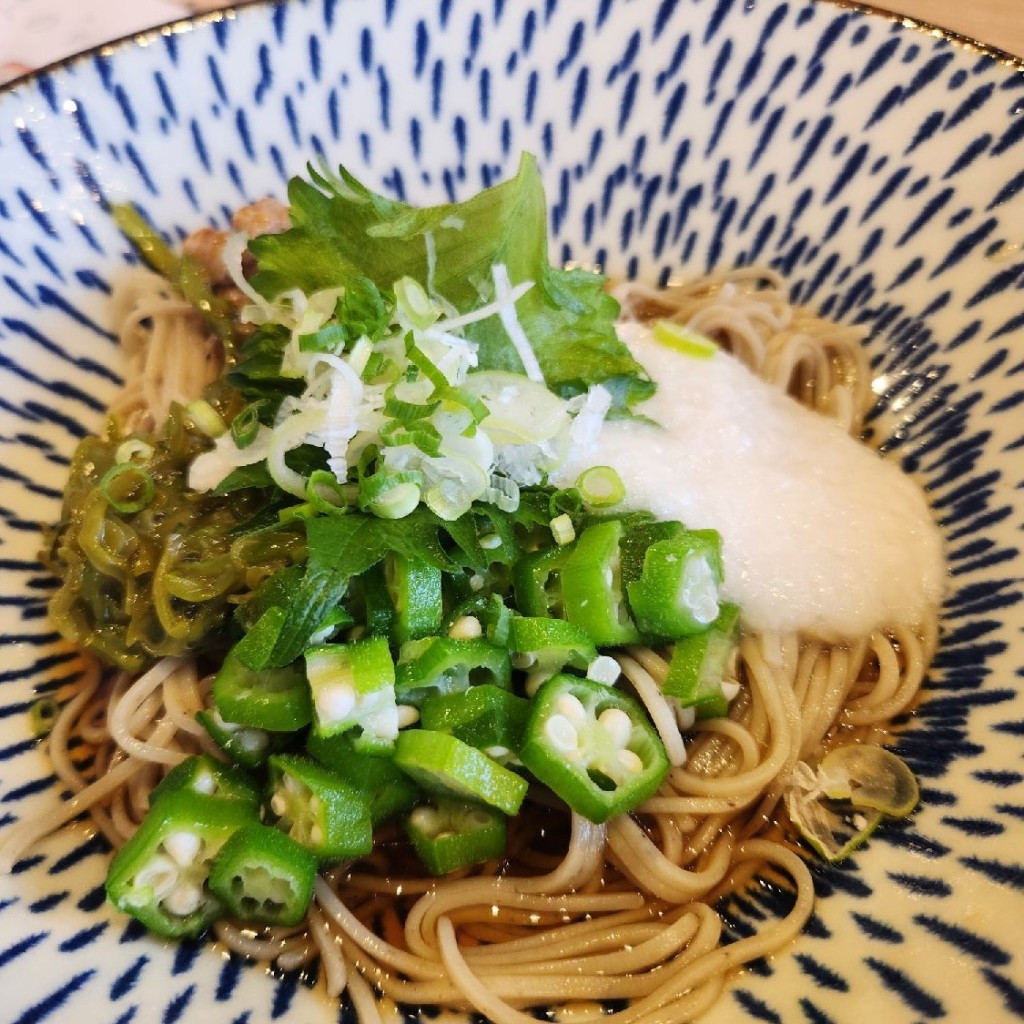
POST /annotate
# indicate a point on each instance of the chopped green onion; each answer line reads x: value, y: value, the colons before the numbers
x: 330, y: 338
x: 327, y: 494
x: 246, y: 425
x: 367, y: 457
x: 127, y: 488
x: 503, y: 492
x: 462, y: 483
x: 407, y: 412
x: 390, y: 495
x: 563, y: 530
x: 424, y: 436
x: 473, y: 405
x: 134, y: 450
x: 305, y: 510
x: 205, y: 417
x: 683, y: 340
x: 600, y: 487
x: 42, y: 715
x: 520, y: 411
x: 424, y: 363
x: 364, y: 311
x: 376, y: 365
x: 378, y: 369
x: 415, y: 304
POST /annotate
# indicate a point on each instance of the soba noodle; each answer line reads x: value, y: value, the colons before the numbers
x: 578, y: 913
x: 169, y: 357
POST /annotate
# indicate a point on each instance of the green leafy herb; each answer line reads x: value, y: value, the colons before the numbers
x: 343, y: 232
x: 257, y: 371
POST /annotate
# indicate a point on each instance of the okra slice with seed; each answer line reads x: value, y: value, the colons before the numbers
x: 486, y: 717
x: 592, y: 589
x: 452, y: 834
x: 160, y: 875
x: 540, y: 644
x: 415, y: 591
x: 264, y: 876
x: 318, y: 809
x: 275, y: 699
x: 204, y: 774
x: 537, y: 581
x: 700, y: 664
x: 440, y: 665
x: 593, y: 746
x: 385, y: 787
x: 243, y: 744
x: 353, y: 687
x: 677, y: 593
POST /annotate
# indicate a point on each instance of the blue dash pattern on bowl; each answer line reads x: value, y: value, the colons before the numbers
x: 878, y: 166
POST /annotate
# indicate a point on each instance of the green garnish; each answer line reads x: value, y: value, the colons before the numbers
x: 128, y: 488
x: 681, y: 339
x: 342, y: 230
x: 600, y: 487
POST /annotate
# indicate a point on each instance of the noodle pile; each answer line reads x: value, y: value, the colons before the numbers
x: 169, y: 357
x: 578, y: 913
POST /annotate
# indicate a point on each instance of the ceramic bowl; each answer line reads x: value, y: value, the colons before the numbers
x: 877, y: 165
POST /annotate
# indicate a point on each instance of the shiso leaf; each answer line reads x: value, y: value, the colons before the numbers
x: 341, y: 230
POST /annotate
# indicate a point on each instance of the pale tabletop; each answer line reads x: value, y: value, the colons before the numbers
x: 37, y: 32
x: 999, y: 23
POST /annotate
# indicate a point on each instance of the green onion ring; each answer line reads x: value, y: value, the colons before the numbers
x: 137, y: 481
